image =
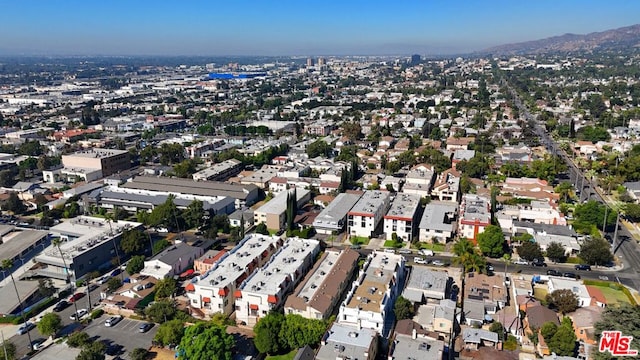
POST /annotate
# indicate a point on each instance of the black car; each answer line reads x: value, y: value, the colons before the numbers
x: 144, y: 327
x: 554, y: 273
x: 538, y: 262
x: 571, y: 275
x: 63, y: 304
x: 583, y: 267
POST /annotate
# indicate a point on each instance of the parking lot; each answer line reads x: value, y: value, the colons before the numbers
x: 122, y: 337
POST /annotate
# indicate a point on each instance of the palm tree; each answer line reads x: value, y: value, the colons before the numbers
x: 467, y: 256
x: 7, y: 265
x: 56, y: 242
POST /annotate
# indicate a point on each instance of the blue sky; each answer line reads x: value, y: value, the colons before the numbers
x: 287, y: 27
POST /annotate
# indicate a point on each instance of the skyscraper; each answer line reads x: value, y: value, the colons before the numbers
x: 309, y: 62
x: 415, y: 59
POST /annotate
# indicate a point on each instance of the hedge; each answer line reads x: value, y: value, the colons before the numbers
x: 96, y: 313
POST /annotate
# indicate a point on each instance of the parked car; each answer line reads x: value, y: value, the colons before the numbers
x: 521, y: 262
x: 76, y: 297
x: 356, y: 247
x: 37, y: 344
x: 144, y: 327
x: 25, y: 328
x: 404, y: 251
x: 116, y: 272
x: 390, y: 251
x: 426, y: 252
x: 92, y: 287
x: 583, y: 267
x: 112, y: 320
x: 554, y: 273
x: 103, y: 279
x: 63, y: 304
x: 539, y: 262
x: 419, y: 260
x: 438, y: 263
x: 79, y: 315
x: 571, y: 275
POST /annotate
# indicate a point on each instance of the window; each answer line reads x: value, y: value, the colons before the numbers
x: 219, y: 306
x: 194, y: 301
x: 237, y: 307
x: 264, y: 312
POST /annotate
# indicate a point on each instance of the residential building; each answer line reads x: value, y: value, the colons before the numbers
x: 491, y: 290
x: 402, y: 217
x: 20, y: 245
x: 347, y: 342
x: 219, y: 172
x: 369, y: 303
x: 545, y: 234
x: 475, y: 216
x: 425, y: 285
x: 261, y: 177
x: 438, y: 222
x: 475, y: 338
x: 333, y: 217
x: 88, y: 244
x: 447, y: 186
x: 95, y: 163
x: 273, y: 213
x: 205, y: 262
x: 239, y: 216
x: 576, y: 287
x: 317, y: 295
x: 172, y: 261
x: 367, y: 213
x: 584, y: 320
x: 415, y: 346
x: 266, y: 289
x: 215, y: 289
x: 419, y: 180
x: 438, y: 317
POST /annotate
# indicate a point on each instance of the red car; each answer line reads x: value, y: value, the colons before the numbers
x: 75, y: 297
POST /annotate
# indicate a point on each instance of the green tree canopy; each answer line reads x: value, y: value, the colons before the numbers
x: 319, y: 148
x: 297, y: 331
x: 596, y: 251
x: 113, y: 284
x: 548, y: 329
x: 563, y: 342
x: 14, y: 204
x: 193, y: 214
x: 556, y: 252
x: 50, y: 324
x: 170, y: 332
x: 165, y: 288
x: 78, y: 339
x: 267, y: 330
x: 92, y: 351
x: 564, y: 300
x: 139, y: 354
x: 262, y: 229
x: 467, y: 256
x: 133, y: 241
x: 204, y: 341
x: 135, y: 264
x: 497, y: 328
x: 530, y: 250
x: 491, y: 241
x: 10, y: 348
x: 403, y: 309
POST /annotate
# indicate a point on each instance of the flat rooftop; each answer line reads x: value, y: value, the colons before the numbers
x: 403, y: 207
x: 370, y: 202
x: 346, y: 342
x: 235, y: 262
x: 98, y: 153
x: 435, y: 213
x: 187, y: 186
x: 423, y: 278
x: 15, y: 242
x: 378, y: 273
x: 282, y: 265
x: 278, y: 204
x: 336, y: 210
x: 405, y: 347
x: 83, y: 233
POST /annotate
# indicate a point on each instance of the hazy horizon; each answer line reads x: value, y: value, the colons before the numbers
x: 293, y: 28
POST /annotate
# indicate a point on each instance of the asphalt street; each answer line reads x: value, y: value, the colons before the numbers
x: 122, y: 337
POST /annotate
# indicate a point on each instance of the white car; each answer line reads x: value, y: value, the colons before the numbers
x: 25, y: 328
x: 438, y: 263
x: 103, y: 279
x: 81, y: 313
x: 419, y: 260
x: 391, y: 251
x: 37, y: 344
x: 521, y: 262
x: 112, y: 320
x: 426, y: 252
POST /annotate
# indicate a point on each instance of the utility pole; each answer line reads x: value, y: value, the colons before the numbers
x: 4, y: 345
x: 615, y: 233
x: 604, y: 222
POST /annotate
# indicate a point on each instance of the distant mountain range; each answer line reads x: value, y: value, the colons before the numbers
x: 623, y: 38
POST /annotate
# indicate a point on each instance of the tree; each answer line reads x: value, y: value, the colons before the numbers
x: 556, y: 252
x: 160, y: 311
x: 262, y: 229
x: 497, y: 328
x: 297, y: 332
x: 267, y: 339
x: 10, y: 349
x: 563, y: 342
x: 632, y: 211
x: 135, y: 264
x: 114, y: 284
x: 139, y: 354
x: 92, y: 351
x: 530, y: 250
x: 403, y: 309
x: 596, y: 251
x: 14, y: 204
x: 491, y: 241
x: 133, y: 241
x: 548, y: 329
x: 165, y: 288
x: 564, y: 300
x: 467, y: 256
x: 319, y: 148
x: 46, y: 288
x: 624, y: 318
x: 78, y: 339
x: 204, y: 341
x: 170, y: 332
x: 591, y: 214
x: 50, y: 324
x: 194, y: 213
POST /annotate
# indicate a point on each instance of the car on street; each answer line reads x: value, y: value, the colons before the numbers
x: 103, y: 279
x: 356, y: 247
x: 539, y: 262
x: 25, y: 328
x: 390, y: 251
x: 37, y: 344
x: 116, y: 272
x: 426, y: 252
x: 76, y: 297
x: 419, y: 260
x: 521, y: 262
x: 404, y: 251
x: 61, y: 305
x: 571, y: 275
x: 583, y: 267
x: 92, y: 287
x: 144, y: 327
x: 79, y: 315
x: 438, y: 263
x: 554, y: 273
x: 112, y: 321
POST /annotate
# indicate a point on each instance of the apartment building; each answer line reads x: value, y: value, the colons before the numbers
x: 439, y: 221
x: 220, y: 171
x: 419, y: 180
x: 402, y: 217
x: 95, y: 163
x: 214, y: 291
x: 367, y: 213
x: 369, y: 303
x: 273, y: 213
x: 317, y: 295
x: 347, y: 342
x: 266, y: 288
x: 334, y: 216
x: 447, y: 186
x: 475, y: 216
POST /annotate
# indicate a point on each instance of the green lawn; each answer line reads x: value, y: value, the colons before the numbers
x: 288, y: 356
x: 614, y: 296
x: 359, y: 240
x: 540, y: 294
x: 433, y: 247
x: 393, y: 244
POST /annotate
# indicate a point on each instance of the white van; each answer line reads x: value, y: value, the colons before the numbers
x: 426, y: 252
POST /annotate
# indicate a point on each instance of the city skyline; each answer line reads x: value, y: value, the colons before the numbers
x: 293, y: 27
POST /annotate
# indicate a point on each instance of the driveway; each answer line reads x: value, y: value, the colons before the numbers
x: 123, y: 337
